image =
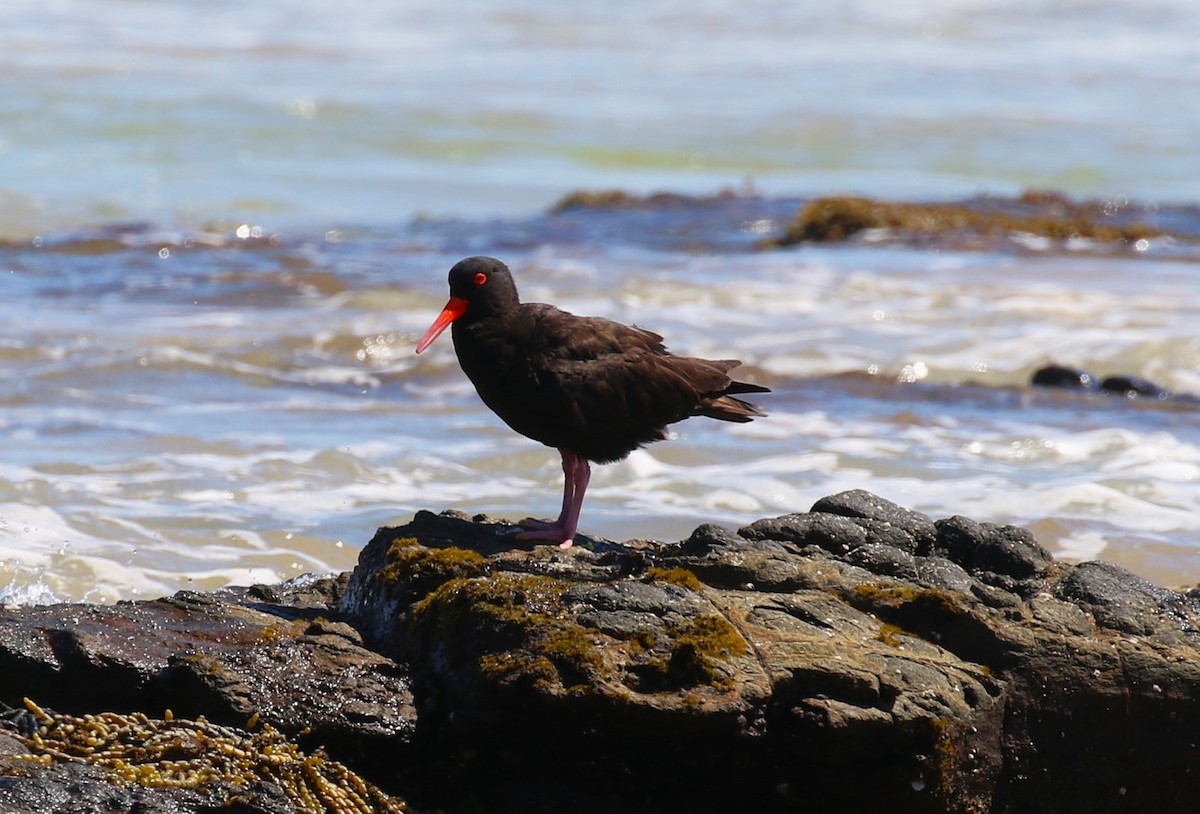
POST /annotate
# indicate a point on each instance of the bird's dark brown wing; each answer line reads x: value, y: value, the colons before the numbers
x: 619, y: 387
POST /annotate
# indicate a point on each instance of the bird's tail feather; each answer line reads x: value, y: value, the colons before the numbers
x: 746, y: 387
x: 727, y: 408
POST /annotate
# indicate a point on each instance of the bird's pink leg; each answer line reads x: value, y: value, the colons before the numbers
x: 577, y: 473
x: 568, y: 469
x: 581, y: 478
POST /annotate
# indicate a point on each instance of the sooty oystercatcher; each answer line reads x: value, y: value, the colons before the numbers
x: 593, y: 388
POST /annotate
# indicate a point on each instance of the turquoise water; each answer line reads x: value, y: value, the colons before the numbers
x: 225, y: 227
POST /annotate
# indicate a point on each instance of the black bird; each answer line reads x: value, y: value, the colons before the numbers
x: 592, y: 388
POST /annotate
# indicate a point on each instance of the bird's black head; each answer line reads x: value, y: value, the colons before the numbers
x: 480, y: 287
x: 486, y: 284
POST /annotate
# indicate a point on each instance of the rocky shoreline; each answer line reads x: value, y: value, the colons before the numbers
x: 859, y: 656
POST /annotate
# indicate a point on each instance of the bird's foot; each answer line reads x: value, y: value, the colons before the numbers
x: 549, y: 532
x: 540, y: 525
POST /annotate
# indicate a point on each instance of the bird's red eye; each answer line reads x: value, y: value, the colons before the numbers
x: 480, y: 278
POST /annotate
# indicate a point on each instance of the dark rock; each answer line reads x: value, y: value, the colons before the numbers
x: 939, y: 572
x: 316, y: 680
x: 884, y: 521
x: 844, y: 522
x: 932, y: 571
x: 1125, y: 602
x: 713, y: 540
x: 402, y: 565
x: 887, y: 561
x: 1068, y: 378
x: 833, y: 533
x: 843, y: 637
x: 1133, y: 387
x: 1122, y: 384
x: 1005, y: 556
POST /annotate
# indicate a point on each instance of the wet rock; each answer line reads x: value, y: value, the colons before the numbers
x: 315, y: 678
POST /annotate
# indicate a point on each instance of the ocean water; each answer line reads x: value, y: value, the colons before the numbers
x: 222, y: 230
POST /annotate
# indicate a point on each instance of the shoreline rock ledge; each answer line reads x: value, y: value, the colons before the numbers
x: 859, y: 656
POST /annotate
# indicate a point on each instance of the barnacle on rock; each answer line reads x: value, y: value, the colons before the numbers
x: 167, y: 752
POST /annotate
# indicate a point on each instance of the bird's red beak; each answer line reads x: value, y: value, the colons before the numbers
x: 453, y: 310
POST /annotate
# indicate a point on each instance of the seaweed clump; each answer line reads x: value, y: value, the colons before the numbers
x: 1048, y: 215
x: 169, y: 753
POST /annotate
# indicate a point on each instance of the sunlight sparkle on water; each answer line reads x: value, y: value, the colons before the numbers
x: 914, y: 372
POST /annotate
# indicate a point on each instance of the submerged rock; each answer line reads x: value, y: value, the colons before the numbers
x: 1062, y: 376
x: 858, y: 656
x: 1129, y: 386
